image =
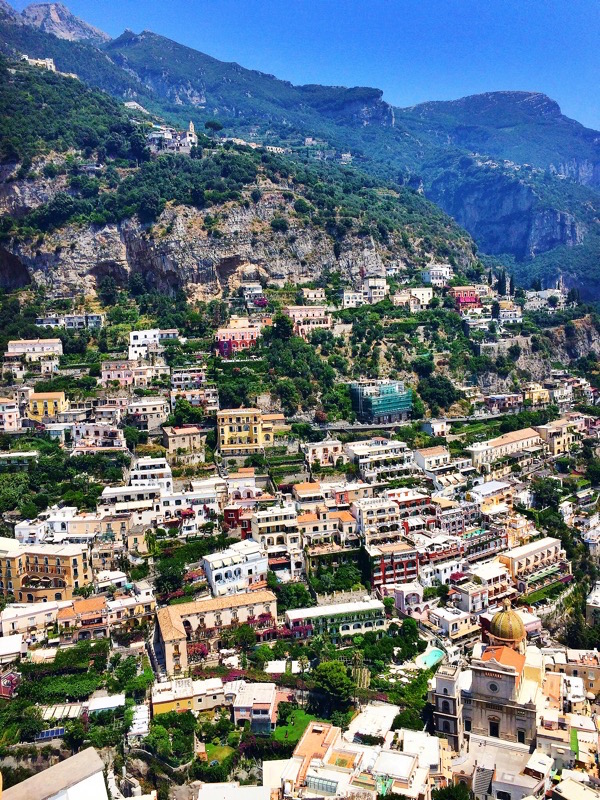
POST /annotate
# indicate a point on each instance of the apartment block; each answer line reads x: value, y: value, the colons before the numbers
x: 241, y: 567
x: 381, y: 401
x: 484, y: 454
x: 10, y: 416
x: 327, y: 453
x: 240, y: 334
x: 46, y: 405
x: 143, y: 343
x: 91, y: 437
x: 338, y: 621
x: 183, y: 440
x: 45, y: 572
x: 276, y: 529
x: 182, y: 628
x: 306, y: 319
x: 243, y: 431
x: 380, y: 459
x: 148, y: 413
x: 537, y: 564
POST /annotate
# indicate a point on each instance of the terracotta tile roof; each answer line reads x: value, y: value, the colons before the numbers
x: 514, y: 436
x: 169, y: 629
x: 505, y: 656
x: 307, y: 488
x: 170, y: 618
x: 343, y: 516
x: 84, y: 606
x: 89, y: 604
x: 304, y: 518
x: 438, y: 450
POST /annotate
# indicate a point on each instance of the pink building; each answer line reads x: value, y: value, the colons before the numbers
x: 121, y: 371
x: 309, y: 318
x: 465, y: 297
x: 240, y: 334
x: 257, y: 704
x: 10, y: 419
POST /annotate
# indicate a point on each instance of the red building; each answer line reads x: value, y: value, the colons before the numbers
x: 465, y: 297
x: 9, y: 683
x: 240, y: 334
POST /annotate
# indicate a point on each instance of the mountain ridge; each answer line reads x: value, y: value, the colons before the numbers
x: 502, y: 163
x: 55, y: 18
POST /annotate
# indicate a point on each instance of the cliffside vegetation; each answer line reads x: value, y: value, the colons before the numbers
x: 49, y: 114
x: 41, y: 112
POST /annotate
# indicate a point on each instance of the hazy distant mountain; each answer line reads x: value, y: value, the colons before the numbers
x: 57, y: 19
x: 521, y: 177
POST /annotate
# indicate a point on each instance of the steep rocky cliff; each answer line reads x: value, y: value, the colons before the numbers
x: 535, y: 222
x: 539, y: 353
x: 505, y: 214
x: 55, y: 18
x: 178, y: 252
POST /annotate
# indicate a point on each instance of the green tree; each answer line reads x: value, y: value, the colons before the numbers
x: 213, y: 126
x: 107, y: 291
x: 546, y: 492
x: 283, y: 327
x: 331, y: 679
x: 244, y: 637
x: 74, y: 735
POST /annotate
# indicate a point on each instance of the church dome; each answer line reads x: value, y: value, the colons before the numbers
x: 507, y: 626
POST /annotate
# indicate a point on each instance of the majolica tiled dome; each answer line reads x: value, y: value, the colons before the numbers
x: 507, y: 627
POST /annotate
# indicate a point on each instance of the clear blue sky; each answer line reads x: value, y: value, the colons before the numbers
x: 415, y: 50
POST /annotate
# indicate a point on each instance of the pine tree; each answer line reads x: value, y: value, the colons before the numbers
x: 502, y: 283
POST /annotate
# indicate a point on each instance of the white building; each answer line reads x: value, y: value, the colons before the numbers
x: 189, y: 511
x: 142, y: 343
x: 483, y: 454
x: 80, y: 776
x: 148, y: 413
x: 152, y: 472
x: 91, y: 437
x: 380, y: 459
x: 140, y: 500
x: 437, y: 274
x: 327, y: 453
x: 276, y: 528
x: 353, y: 299
x: 31, y: 619
x: 375, y: 290
x: 237, y: 569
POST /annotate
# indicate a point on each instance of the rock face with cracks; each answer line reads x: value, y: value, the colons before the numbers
x: 179, y: 253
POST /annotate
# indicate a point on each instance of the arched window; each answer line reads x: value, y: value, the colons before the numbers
x: 445, y: 707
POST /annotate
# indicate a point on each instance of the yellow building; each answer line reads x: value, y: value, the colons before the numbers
x: 185, y: 694
x: 560, y: 435
x: 46, y: 405
x: 43, y: 572
x: 535, y: 394
x: 243, y: 431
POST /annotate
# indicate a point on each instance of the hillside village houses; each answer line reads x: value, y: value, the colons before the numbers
x: 438, y: 533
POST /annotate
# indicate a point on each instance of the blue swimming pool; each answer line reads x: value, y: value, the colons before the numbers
x: 430, y: 658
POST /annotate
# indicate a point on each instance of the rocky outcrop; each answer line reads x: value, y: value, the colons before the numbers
x: 581, y: 170
x: 505, y: 215
x: 562, y: 344
x: 17, y: 197
x: 56, y: 19
x: 179, y: 253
